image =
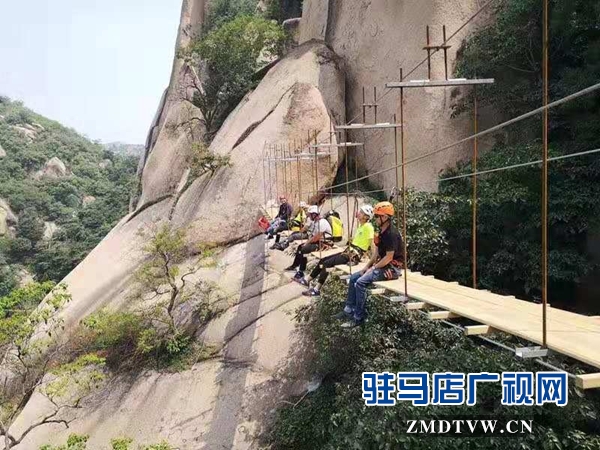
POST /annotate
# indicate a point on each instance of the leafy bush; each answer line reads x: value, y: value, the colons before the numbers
x: 79, y: 442
x: 74, y: 442
x: 231, y: 53
x: 165, y: 312
x: 394, y: 340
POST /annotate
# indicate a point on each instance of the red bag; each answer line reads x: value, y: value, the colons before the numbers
x: 263, y: 223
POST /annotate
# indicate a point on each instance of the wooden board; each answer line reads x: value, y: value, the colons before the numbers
x: 568, y: 333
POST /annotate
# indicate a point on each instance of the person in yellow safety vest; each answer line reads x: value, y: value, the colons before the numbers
x: 337, y: 226
x: 298, y: 232
x: 297, y: 222
x: 360, y: 245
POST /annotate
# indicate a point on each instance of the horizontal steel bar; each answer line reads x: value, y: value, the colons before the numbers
x: 438, y: 83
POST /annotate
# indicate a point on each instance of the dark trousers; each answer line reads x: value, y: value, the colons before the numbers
x: 300, y: 261
x: 320, y: 269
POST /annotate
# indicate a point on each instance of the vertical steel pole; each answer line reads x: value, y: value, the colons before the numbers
x: 276, y: 172
x: 474, y: 200
x: 285, y: 186
x: 428, y: 55
x: 375, y: 102
x: 316, y: 168
x: 545, y: 182
x: 347, y: 192
x: 264, y: 174
x: 270, y: 178
x: 403, y: 158
x: 331, y: 133
x: 445, y: 52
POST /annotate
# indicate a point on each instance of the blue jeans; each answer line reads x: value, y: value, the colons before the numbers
x: 277, y: 226
x: 357, y: 290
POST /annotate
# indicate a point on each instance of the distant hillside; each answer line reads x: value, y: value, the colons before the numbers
x: 120, y: 148
x: 60, y: 194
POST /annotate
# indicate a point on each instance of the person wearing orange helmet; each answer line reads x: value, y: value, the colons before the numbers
x: 385, y: 264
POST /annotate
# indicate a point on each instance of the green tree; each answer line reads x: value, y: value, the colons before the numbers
x: 31, y: 226
x: 27, y: 341
x: 222, y: 11
x: 509, y: 229
x: 231, y: 54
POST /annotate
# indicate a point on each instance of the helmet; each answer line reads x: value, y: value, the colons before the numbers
x: 303, y: 205
x: 383, y: 208
x: 332, y: 213
x: 313, y: 209
x: 367, y: 210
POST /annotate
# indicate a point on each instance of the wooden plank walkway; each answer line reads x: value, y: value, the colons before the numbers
x: 569, y: 334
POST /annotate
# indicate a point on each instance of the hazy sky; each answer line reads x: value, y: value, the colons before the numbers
x: 99, y: 66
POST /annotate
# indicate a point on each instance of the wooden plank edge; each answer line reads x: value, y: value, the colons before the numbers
x: 441, y: 315
x: 474, y: 330
x: 588, y: 381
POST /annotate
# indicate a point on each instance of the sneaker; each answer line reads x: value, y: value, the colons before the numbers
x: 298, y: 276
x: 301, y: 281
x: 312, y: 292
x: 290, y: 269
x: 275, y: 247
x: 269, y: 237
x: 343, y: 316
x: 352, y: 323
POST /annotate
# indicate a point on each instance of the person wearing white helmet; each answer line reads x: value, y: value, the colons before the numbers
x: 319, y: 230
x: 361, y: 243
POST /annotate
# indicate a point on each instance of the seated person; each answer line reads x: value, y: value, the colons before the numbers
x: 353, y: 253
x: 279, y: 223
x: 296, y: 224
x: 318, y: 230
x: 385, y: 264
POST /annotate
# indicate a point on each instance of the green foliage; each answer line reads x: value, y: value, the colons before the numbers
x: 509, y: 215
x: 79, y: 442
x: 160, y: 328
x: 24, y: 299
x: 510, y: 51
x: 8, y: 275
x: 394, y: 340
x: 74, y: 442
x: 223, y: 11
x: 232, y: 53
x: 164, y: 445
x: 36, y: 200
x: 121, y: 443
x: 203, y: 161
x: 427, y: 216
x: 509, y: 231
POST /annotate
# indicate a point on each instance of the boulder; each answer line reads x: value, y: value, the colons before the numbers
x: 304, y: 91
x: 24, y: 277
x: 88, y: 199
x: 292, y: 27
x: 54, y: 168
x: 27, y: 132
x: 50, y: 229
x: 105, y: 163
x: 8, y: 219
x: 2, y: 152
